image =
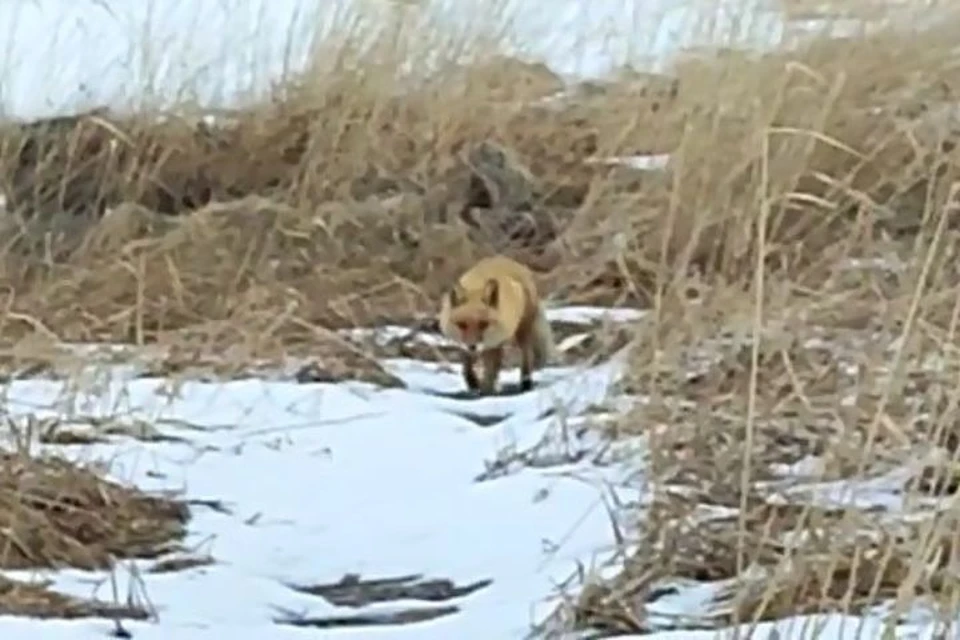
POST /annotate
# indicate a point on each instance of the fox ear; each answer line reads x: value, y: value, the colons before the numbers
x: 491, y: 293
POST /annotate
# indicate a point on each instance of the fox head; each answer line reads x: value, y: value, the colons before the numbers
x: 473, y: 316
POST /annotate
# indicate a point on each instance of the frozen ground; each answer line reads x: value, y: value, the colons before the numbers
x: 324, y: 480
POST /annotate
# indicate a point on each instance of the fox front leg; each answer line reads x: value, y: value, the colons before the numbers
x: 469, y: 373
x: 526, y: 369
x: 492, y: 362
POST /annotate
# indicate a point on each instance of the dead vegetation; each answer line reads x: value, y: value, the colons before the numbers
x: 346, y: 199
x: 56, y: 515
x: 801, y: 378
x: 37, y: 601
x: 823, y: 177
x: 342, y: 202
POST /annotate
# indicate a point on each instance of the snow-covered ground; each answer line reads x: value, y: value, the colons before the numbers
x: 327, y: 480
x: 507, y: 497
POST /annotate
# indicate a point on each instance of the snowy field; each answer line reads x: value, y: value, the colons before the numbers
x: 501, y: 499
x: 326, y: 480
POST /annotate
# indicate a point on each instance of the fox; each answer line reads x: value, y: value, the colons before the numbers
x: 491, y: 305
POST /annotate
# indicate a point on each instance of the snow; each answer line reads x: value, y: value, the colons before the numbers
x: 324, y: 480
x: 650, y: 162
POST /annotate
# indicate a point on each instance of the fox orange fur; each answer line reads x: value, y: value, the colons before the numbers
x: 493, y: 304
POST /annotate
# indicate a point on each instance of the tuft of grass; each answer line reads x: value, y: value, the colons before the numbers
x: 55, y: 514
x: 35, y: 600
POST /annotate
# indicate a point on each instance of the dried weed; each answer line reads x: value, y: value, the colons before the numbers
x: 803, y: 335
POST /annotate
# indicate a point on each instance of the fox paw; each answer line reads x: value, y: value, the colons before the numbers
x: 471, y: 380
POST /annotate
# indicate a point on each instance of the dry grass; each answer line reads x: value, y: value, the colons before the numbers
x: 55, y: 515
x: 37, y: 601
x: 813, y: 342
x: 355, y: 193
x: 348, y: 198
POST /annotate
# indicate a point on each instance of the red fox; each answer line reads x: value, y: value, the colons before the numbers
x: 493, y: 303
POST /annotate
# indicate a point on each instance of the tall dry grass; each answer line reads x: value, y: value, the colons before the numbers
x: 349, y: 195
x: 806, y: 316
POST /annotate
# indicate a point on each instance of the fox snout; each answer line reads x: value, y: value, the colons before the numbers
x: 472, y: 333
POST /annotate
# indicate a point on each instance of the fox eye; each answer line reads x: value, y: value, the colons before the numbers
x: 462, y: 326
x: 482, y: 325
